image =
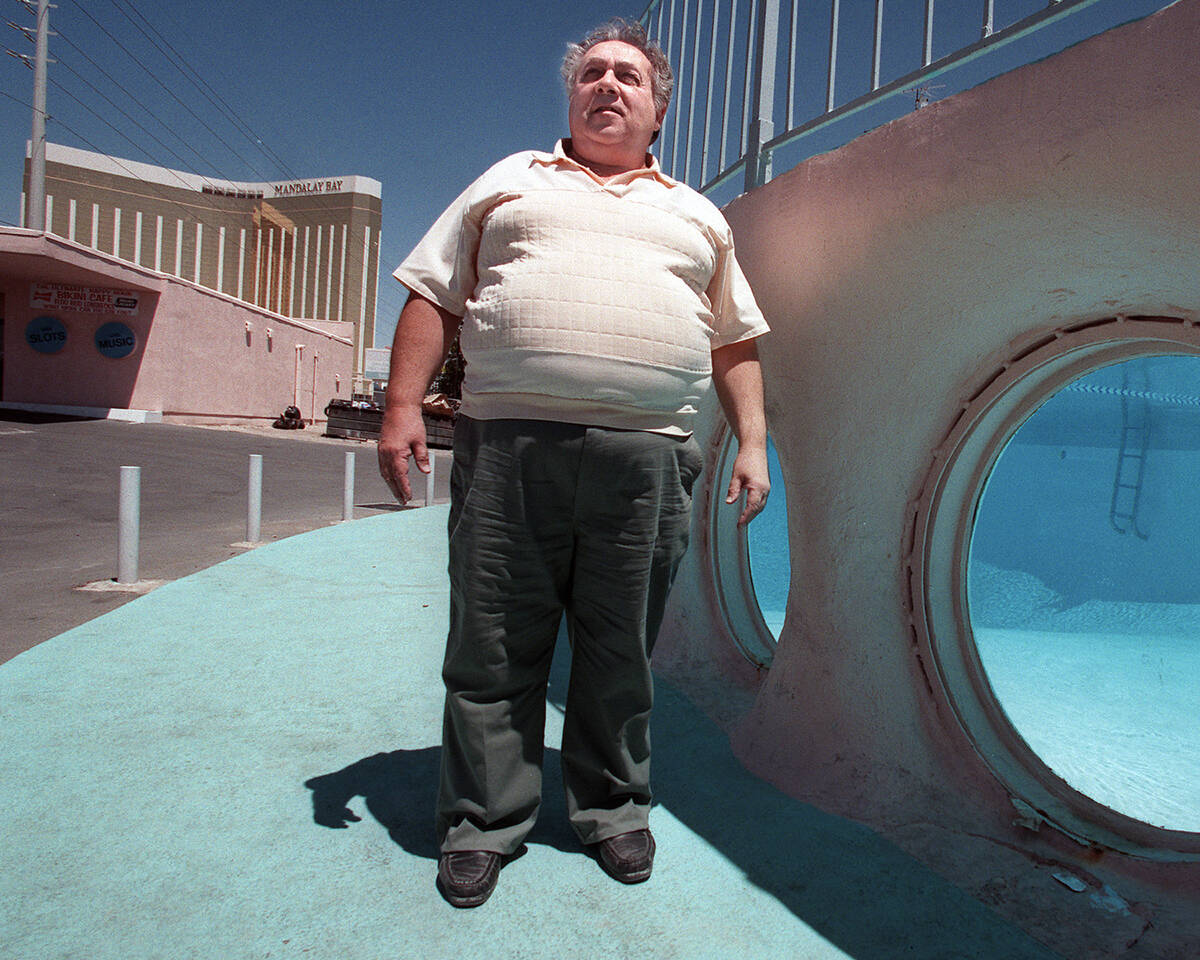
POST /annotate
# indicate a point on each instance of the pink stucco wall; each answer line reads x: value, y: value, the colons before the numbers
x: 897, y: 274
x: 199, y: 354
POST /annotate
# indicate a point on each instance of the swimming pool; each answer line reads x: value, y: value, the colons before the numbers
x: 1083, y: 585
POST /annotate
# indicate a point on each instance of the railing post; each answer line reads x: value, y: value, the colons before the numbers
x: 254, y: 499
x: 129, y: 521
x: 877, y: 53
x: 831, y: 83
x: 762, y: 125
x: 927, y: 57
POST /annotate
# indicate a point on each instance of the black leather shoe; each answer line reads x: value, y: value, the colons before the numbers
x: 628, y: 857
x: 467, y: 877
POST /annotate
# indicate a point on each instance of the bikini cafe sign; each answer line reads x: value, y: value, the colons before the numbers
x: 69, y: 296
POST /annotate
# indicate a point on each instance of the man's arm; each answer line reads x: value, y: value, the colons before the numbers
x: 738, y: 379
x: 422, y: 342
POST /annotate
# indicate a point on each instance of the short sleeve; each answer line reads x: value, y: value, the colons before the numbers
x: 441, y: 267
x: 736, y: 315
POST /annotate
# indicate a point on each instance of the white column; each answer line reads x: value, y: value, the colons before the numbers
x: 116, y: 250
x: 375, y: 297
x: 241, y: 262
x: 296, y: 381
x: 342, y: 277
x: 199, y: 239
x: 362, y: 308
x: 137, y: 238
x: 158, y: 243
x: 21, y: 218
x: 49, y: 213
x: 292, y: 279
x: 95, y: 226
x: 329, y: 275
x: 71, y: 219
x: 179, y: 248
x: 316, y: 275
x: 257, y: 262
x: 279, y: 277
x: 270, y: 267
x: 304, y: 277
x: 221, y: 260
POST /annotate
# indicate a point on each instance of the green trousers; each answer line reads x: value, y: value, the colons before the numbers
x: 547, y: 518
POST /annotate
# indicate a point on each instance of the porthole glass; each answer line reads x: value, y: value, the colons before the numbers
x: 749, y: 565
x: 767, y: 544
x: 1083, y: 586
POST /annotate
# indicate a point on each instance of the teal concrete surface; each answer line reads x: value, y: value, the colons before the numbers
x: 241, y: 764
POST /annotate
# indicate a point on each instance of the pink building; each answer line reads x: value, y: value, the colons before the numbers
x: 85, y: 331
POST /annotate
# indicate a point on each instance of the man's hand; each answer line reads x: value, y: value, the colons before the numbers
x: 750, y: 477
x: 738, y: 379
x: 422, y: 340
x: 402, y: 436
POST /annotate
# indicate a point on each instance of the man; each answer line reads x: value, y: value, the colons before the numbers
x: 597, y: 298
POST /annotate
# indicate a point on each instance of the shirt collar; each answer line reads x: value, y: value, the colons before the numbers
x: 560, y: 157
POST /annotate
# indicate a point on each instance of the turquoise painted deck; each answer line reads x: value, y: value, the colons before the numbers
x: 177, y: 771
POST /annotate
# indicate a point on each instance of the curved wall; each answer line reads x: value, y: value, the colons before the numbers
x: 899, y: 274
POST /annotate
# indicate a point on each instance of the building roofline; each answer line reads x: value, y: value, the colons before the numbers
x: 23, y: 241
x: 180, y: 179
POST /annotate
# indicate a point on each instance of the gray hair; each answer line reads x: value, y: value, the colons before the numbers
x: 661, y: 79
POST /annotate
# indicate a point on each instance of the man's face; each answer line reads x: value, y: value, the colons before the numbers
x: 612, y: 100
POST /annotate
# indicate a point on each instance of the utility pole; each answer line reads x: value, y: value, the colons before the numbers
x: 35, y: 209
x: 35, y: 219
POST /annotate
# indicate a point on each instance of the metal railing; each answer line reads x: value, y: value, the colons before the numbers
x: 745, y: 68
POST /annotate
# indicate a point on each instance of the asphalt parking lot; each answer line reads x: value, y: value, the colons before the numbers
x: 58, y: 489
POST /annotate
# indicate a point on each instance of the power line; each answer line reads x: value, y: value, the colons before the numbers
x: 25, y: 103
x: 222, y: 105
x: 205, y: 88
x: 120, y: 86
x: 169, y: 91
x: 123, y: 113
x: 350, y: 253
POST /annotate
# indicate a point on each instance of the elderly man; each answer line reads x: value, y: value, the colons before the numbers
x: 597, y: 298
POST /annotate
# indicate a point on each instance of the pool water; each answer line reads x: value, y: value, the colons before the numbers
x: 767, y: 544
x: 1084, y: 590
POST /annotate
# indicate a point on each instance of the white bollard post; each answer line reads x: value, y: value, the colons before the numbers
x: 254, y: 500
x: 129, y: 522
x: 348, y: 488
x: 429, y: 479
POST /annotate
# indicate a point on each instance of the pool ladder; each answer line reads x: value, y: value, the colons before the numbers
x: 1131, y: 456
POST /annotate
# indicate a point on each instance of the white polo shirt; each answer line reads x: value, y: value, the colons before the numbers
x: 585, y: 300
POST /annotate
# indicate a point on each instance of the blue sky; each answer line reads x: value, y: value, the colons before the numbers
x: 421, y: 96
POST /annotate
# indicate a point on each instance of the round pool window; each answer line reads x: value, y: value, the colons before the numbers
x: 1084, y: 586
x: 767, y: 545
x: 1054, y: 577
x: 750, y: 567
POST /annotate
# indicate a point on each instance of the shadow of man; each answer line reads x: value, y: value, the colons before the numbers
x: 856, y: 888
x: 400, y: 789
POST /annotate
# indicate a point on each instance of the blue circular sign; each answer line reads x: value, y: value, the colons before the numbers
x: 46, y: 334
x: 115, y: 340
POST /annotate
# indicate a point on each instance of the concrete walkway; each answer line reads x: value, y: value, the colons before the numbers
x: 241, y: 764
